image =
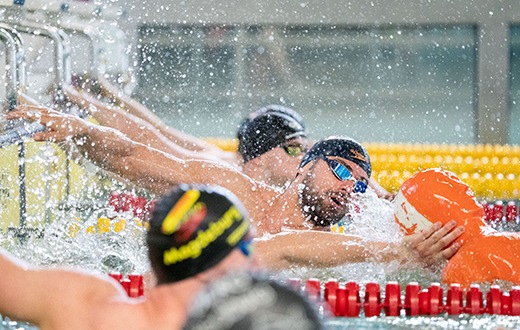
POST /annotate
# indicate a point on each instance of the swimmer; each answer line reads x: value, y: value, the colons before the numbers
x: 271, y: 140
x: 330, y: 172
x: 59, y: 298
x: 434, y: 197
x: 271, y: 143
x: 281, y: 136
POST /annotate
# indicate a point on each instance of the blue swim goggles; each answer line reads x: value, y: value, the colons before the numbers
x: 342, y: 173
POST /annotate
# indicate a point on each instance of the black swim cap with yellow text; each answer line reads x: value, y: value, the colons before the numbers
x: 192, y: 229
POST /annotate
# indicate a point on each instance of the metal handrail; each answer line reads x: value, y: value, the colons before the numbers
x: 62, y: 60
x: 93, y: 35
x: 15, y: 64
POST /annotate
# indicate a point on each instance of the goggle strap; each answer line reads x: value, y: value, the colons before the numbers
x: 245, y: 247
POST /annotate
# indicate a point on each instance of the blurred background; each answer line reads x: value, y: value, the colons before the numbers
x: 395, y: 71
x: 381, y: 71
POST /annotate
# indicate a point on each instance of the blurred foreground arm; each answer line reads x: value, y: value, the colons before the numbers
x: 41, y: 296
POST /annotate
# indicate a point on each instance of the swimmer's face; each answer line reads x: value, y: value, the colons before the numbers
x: 281, y: 163
x: 324, y: 198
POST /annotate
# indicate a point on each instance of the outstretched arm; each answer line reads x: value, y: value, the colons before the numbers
x: 141, y: 164
x: 41, y: 296
x: 327, y: 249
x: 180, y: 138
x: 320, y: 249
x: 134, y: 127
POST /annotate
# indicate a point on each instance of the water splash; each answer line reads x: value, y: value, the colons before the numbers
x: 84, y: 243
x: 371, y: 218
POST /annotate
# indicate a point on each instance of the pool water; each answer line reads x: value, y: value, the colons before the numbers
x: 114, y: 250
x: 385, y: 323
x: 424, y: 322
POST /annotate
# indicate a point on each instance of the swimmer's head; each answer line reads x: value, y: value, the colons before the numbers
x: 436, y: 195
x: 243, y: 301
x: 192, y: 229
x: 343, y: 147
x: 268, y: 128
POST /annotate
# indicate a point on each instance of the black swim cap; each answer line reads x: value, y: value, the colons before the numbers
x: 268, y: 128
x: 343, y: 147
x: 192, y: 229
x: 243, y: 301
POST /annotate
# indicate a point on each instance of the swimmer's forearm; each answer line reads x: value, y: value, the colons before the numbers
x: 135, y: 128
x: 112, y: 116
x: 146, y: 166
x: 316, y: 249
x: 115, y: 152
x: 104, y: 144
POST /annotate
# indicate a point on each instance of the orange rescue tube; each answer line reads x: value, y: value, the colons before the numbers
x: 486, y: 255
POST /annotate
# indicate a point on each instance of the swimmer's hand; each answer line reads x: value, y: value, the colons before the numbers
x: 435, y: 244
x: 59, y: 126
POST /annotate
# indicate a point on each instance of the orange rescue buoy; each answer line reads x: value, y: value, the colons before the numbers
x: 486, y: 255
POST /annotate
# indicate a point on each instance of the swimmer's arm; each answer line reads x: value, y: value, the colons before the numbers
x: 141, y: 164
x: 319, y: 249
x: 180, y: 138
x: 42, y: 295
x: 159, y: 171
x: 135, y: 128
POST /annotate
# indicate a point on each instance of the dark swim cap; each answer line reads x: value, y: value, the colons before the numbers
x: 192, y: 229
x: 343, y: 147
x: 268, y: 128
x: 243, y: 301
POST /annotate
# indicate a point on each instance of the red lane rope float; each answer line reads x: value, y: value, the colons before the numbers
x: 411, y: 299
x: 454, y: 300
x: 345, y: 300
x: 132, y: 283
x: 130, y: 202
x: 497, y: 211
